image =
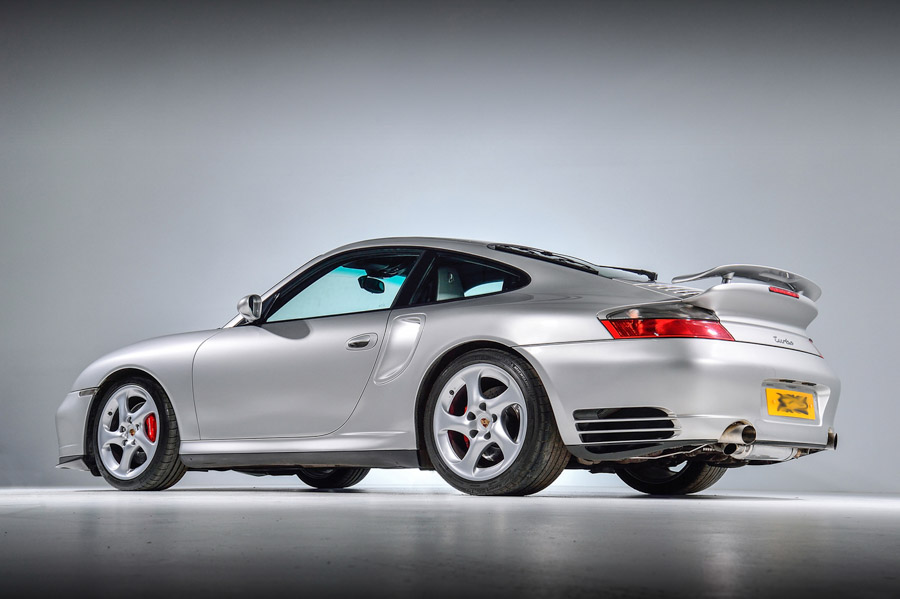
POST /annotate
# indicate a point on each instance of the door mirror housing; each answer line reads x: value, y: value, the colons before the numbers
x: 250, y: 307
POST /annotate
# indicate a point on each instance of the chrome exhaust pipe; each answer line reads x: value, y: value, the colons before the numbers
x: 767, y: 453
x: 832, y: 439
x: 729, y: 448
x: 739, y: 433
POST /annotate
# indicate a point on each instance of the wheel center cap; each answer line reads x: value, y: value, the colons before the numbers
x: 485, y: 422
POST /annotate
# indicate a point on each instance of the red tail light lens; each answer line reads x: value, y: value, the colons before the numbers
x: 666, y: 327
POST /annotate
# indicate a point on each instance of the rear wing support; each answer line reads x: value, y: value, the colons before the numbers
x: 765, y: 274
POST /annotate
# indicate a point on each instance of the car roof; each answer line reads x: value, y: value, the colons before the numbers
x: 520, y: 256
x: 547, y: 275
x: 446, y: 243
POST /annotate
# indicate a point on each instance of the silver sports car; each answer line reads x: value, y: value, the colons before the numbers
x: 497, y: 365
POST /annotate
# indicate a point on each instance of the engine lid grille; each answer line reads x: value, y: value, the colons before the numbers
x: 676, y: 290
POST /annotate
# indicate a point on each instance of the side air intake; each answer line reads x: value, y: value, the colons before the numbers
x: 613, y: 430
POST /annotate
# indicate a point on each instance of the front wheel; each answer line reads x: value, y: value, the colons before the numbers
x: 489, y: 428
x: 135, y: 438
x: 658, y: 479
x: 332, y: 478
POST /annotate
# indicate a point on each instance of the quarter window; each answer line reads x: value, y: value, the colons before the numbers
x: 452, y: 278
x: 357, y: 285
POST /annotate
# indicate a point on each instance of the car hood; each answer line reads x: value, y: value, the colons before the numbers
x: 154, y: 356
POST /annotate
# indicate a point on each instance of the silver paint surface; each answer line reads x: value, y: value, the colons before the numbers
x: 287, y: 379
x: 402, y: 339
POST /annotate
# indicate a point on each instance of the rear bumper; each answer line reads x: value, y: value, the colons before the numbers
x: 702, y: 385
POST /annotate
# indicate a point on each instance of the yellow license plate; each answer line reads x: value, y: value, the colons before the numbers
x: 794, y: 404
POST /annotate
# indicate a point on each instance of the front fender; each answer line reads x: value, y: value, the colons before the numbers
x: 167, y: 359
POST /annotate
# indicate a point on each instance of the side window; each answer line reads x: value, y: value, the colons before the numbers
x: 452, y: 278
x: 358, y: 285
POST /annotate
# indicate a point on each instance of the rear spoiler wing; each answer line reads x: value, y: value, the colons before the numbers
x: 766, y: 274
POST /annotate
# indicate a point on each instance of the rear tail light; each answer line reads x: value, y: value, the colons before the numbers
x: 665, y: 320
x: 666, y: 327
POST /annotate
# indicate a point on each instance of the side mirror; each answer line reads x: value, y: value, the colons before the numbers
x: 371, y: 284
x: 250, y: 307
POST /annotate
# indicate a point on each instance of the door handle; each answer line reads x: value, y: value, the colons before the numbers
x: 362, y: 341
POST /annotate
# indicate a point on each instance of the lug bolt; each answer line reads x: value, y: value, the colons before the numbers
x: 482, y: 406
x: 471, y: 416
x: 494, y: 416
x: 472, y: 433
x: 487, y: 435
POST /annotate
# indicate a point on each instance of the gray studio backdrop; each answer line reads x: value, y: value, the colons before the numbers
x: 158, y: 162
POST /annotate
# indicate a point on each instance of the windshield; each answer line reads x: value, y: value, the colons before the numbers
x: 611, y: 272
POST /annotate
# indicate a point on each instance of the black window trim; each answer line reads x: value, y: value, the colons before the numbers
x: 416, y: 278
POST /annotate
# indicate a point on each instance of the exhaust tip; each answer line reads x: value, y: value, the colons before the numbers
x: 748, y: 434
x: 741, y: 433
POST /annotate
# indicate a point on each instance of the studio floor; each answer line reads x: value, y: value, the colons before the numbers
x: 434, y: 542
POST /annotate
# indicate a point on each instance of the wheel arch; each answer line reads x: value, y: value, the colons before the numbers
x: 431, y: 375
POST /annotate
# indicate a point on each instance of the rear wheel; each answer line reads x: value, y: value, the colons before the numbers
x: 489, y: 428
x: 332, y: 478
x: 659, y: 479
x: 134, y: 437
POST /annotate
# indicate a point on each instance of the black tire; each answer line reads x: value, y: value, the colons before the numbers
x: 542, y: 455
x: 332, y: 478
x: 165, y: 468
x: 655, y: 479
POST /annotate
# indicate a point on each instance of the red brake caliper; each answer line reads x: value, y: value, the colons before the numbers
x: 466, y: 437
x: 150, y: 427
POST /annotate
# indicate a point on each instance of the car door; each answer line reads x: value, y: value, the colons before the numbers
x: 301, y: 371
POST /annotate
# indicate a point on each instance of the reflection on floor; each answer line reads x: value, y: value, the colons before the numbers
x: 434, y: 542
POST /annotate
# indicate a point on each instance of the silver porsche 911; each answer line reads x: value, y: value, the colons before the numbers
x: 497, y: 365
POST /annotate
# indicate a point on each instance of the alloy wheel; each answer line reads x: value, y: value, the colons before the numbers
x: 479, y: 422
x: 128, y: 434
